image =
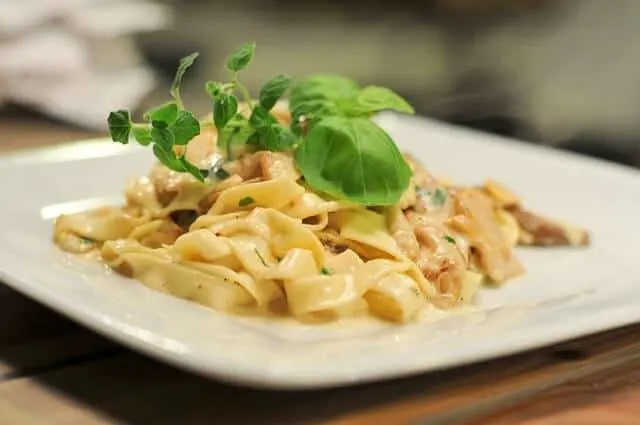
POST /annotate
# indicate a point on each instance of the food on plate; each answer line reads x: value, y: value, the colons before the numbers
x: 304, y: 208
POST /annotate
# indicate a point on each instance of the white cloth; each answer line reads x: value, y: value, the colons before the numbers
x: 75, y: 59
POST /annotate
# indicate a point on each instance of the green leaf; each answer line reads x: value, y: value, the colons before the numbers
x: 374, y: 99
x: 168, y: 158
x: 225, y: 107
x: 192, y: 169
x: 142, y: 134
x: 162, y: 137
x: 119, y: 126
x: 246, y: 201
x: 318, y: 96
x: 353, y: 159
x: 183, y: 66
x: 449, y: 239
x: 185, y: 128
x: 240, y: 58
x: 215, y: 89
x: 236, y: 133
x: 260, y: 117
x: 326, y: 271
x: 438, y: 197
x: 276, y: 138
x: 273, y: 90
x: 166, y: 113
x: 325, y: 87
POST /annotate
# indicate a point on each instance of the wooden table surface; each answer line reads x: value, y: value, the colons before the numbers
x: 54, y: 372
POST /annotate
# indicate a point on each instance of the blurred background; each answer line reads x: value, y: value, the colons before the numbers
x: 564, y: 73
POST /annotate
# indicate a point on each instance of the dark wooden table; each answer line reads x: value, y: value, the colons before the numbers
x: 54, y: 372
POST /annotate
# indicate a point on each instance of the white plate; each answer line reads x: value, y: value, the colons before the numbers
x: 566, y: 293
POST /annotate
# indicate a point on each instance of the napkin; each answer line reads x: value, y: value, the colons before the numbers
x: 76, y: 60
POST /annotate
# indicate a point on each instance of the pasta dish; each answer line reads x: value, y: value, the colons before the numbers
x: 272, y: 215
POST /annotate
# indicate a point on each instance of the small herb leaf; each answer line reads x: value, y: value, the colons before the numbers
x: 142, y: 134
x: 373, y: 99
x: 260, y: 116
x: 162, y: 137
x: 119, y: 126
x: 438, y: 197
x: 192, y: 169
x: 273, y: 90
x: 225, y: 107
x: 168, y: 158
x: 326, y: 271
x: 247, y: 200
x: 449, y: 239
x: 239, y: 59
x: 166, y: 113
x: 183, y: 66
x: 185, y: 128
x: 378, y: 173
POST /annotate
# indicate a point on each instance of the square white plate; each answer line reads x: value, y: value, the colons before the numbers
x: 566, y: 293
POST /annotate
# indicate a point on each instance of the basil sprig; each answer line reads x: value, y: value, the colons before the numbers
x: 338, y: 149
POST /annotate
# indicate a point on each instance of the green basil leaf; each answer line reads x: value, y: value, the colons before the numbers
x: 183, y: 66
x: 185, y: 128
x: 142, y: 135
x: 353, y: 159
x: 166, y: 113
x: 326, y: 87
x: 225, y: 107
x: 240, y: 58
x: 162, y: 137
x: 119, y: 126
x: 373, y: 99
x: 273, y: 90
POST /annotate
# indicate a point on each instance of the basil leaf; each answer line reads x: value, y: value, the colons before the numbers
x: 185, y: 128
x: 162, y: 137
x: 166, y: 113
x: 119, y: 126
x: 239, y: 59
x: 375, y: 99
x: 185, y: 63
x: 225, y: 107
x: 324, y: 87
x: 273, y: 90
x: 142, y: 135
x: 353, y: 159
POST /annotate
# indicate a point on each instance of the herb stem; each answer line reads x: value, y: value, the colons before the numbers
x: 243, y: 90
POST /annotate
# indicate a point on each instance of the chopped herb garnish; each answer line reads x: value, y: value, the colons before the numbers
x: 86, y: 240
x: 439, y: 197
x: 336, y: 113
x: 449, y: 239
x: 326, y: 271
x: 247, y: 200
x: 260, y: 257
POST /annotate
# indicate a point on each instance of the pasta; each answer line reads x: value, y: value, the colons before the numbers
x: 261, y: 241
